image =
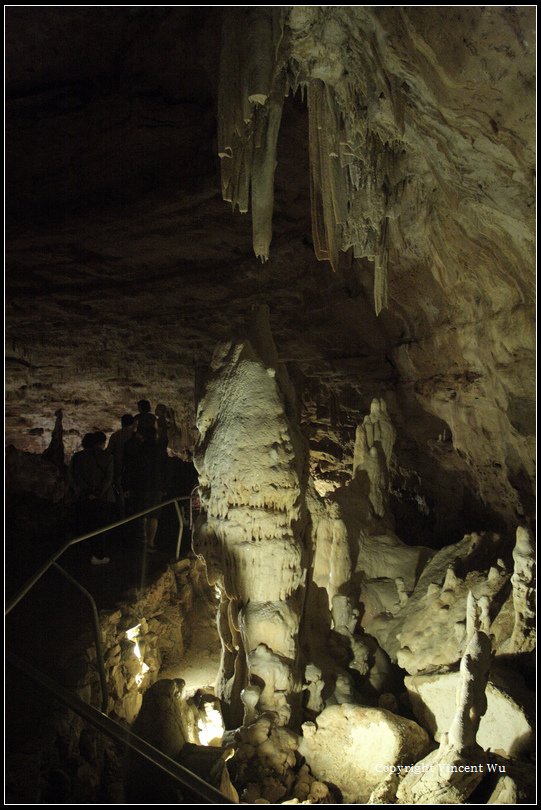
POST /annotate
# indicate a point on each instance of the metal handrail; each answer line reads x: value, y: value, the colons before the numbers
x: 97, y: 634
x: 122, y: 734
x: 75, y: 540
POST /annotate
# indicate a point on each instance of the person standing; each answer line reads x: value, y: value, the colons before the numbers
x: 115, y: 446
x: 91, y: 476
x: 145, y: 476
x: 144, y: 417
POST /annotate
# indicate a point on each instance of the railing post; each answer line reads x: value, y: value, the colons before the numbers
x: 97, y: 635
x: 74, y: 541
x: 180, y: 529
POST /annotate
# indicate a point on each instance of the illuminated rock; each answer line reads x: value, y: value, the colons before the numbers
x: 505, y: 727
x: 353, y: 747
x: 250, y: 458
x: 429, y: 631
x: 523, y: 582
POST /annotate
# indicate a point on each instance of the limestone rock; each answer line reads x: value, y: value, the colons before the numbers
x: 385, y: 792
x: 160, y: 720
x: 386, y: 556
x: 441, y: 203
x: 429, y: 632
x: 471, y: 701
x: 523, y: 582
x: 504, y: 729
x: 351, y: 746
x: 510, y: 781
x: 505, y: 792
x: 129, y: 706
x: 331, y: 563
x: 442, y: 777
x: 264, y: 763
x: 250, y: 458
x: 449, y: 774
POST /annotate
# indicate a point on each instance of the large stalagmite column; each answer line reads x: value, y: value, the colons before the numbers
x: 251, y: 463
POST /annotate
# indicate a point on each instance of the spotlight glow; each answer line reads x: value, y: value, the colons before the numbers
x: 132, y: 635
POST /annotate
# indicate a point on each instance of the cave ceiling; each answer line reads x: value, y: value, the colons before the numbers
x: 124, y: 266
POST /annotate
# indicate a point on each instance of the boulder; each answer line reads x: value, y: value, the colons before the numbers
x: 354, y: 747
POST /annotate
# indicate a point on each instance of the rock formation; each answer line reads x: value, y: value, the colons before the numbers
x: 414, y: 635
x: 505, y: 728
x: 523, y: 582
x: 250, y: 101
x: 353, y: 747
x: 361, y: 484
x: 252, y: 483
x: 449, y: 774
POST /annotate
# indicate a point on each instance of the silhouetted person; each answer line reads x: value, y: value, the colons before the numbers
x: 91, y: 478
x: 144, y: 477
x: 144, y: 416
x: 162, y: 423
x: 116, y: 445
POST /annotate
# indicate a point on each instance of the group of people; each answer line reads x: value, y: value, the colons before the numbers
x: 129, y: 474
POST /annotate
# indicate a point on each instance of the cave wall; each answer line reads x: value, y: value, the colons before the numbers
x: 112, y: 179
x: 60, y: 758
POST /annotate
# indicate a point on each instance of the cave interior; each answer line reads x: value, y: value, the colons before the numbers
x: 308, y: 233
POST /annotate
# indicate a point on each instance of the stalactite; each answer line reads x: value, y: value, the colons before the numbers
x: 327, y: 180
x: 263, y: 166
x: 250, y: 99
x: 380, y: 271
x: 355, y: 178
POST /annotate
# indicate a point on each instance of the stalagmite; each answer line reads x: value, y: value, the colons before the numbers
x: 505, y: 728
x: 332, y: 563
x: 250, y: 698
x: 55, y: 452
x: 252, y: 482
x: 340, y: 564
x: 523, y: 582
x: 471, y: 698
x: 449, y: 774
x: 314, y: 687
x: 379, y: 428
x: 370, y: 460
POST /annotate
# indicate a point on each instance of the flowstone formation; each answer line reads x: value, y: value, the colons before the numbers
x: 251, y: 462
x: 322, y: 608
